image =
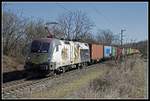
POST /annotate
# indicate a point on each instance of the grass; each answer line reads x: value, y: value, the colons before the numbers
x: 10, y: 63
x: 124, y: 82
x: 64, y: 89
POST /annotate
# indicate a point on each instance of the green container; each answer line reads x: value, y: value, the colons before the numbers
x: 128, y: 51
x: 113, y: 51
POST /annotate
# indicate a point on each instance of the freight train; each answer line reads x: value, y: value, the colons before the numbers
x: 51, y: 55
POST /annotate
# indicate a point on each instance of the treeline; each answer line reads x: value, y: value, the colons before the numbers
x: 18, y: 32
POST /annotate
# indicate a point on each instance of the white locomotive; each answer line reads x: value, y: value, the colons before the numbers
x: 50, y: 54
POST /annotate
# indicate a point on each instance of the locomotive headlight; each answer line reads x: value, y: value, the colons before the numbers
x: 28, y: 58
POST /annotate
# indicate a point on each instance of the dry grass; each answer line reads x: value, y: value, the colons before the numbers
x: 11, y: 64
x: 123, y: 81
x: 126, y: 80
x: 61, y: 90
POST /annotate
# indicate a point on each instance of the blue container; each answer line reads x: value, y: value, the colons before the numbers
x: 107, y: 51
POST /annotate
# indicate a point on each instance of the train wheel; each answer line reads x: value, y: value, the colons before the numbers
x: 80, y: 66
x: 51, y: 73
x: 63, y: 69
x: 84, y: 65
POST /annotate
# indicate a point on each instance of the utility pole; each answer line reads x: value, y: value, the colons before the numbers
x: 122, y: 30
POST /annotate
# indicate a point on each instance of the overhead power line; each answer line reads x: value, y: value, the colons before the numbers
x: 100, y: 13
x: 106, y: 18
x: 63, y: 7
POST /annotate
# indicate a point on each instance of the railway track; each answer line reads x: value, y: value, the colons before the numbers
x: 5, y: 85
x: 17, y: 87
x: 21, y: 85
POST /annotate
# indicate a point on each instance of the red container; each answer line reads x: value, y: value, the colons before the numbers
x: 96, y: 52
x: 119, y: 51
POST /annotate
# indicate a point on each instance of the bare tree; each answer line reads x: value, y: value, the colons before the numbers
x: 18, y: 32
x: 35, y: 29
x: 74, y: 25
x: 105, y: 36
x: 12, y: 31
x: 88, y: 38
x: 116, y: 40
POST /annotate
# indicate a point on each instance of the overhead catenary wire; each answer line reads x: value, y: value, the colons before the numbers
x: 100, y: 13
x: 63, y: 7
x: 106, y: 18
x: 96, y: 10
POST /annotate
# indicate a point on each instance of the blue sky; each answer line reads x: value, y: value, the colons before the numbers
x: 132, y: 16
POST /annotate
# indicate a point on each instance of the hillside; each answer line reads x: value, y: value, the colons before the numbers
x: 11, y: 64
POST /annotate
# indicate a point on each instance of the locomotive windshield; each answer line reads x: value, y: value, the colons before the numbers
x: 39, y: 47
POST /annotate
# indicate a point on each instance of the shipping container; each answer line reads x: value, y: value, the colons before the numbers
x: 135, y: 51
x: 96, y: 52
x: 119, y: 51
x: 128, y: 51
x: 114, y: 51
x: 107, y: 51
x: 123, y: 51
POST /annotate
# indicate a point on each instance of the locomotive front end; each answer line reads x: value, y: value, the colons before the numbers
x: 39, y: 58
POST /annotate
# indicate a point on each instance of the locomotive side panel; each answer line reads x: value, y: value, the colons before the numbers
x: 61, y: 53
x: 70, y: 52
x: 84, y: 52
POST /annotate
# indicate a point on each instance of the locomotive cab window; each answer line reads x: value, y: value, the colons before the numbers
x: 39, y: 47
x: 45, y: 47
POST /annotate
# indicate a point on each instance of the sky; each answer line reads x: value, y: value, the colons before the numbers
x: 132, y: 16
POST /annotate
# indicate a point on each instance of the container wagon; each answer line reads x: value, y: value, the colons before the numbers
x: 128, y: 51
x: 123, y: 51
x: 107, y: 52
x: 114, y: 51
x: 96, y: 52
